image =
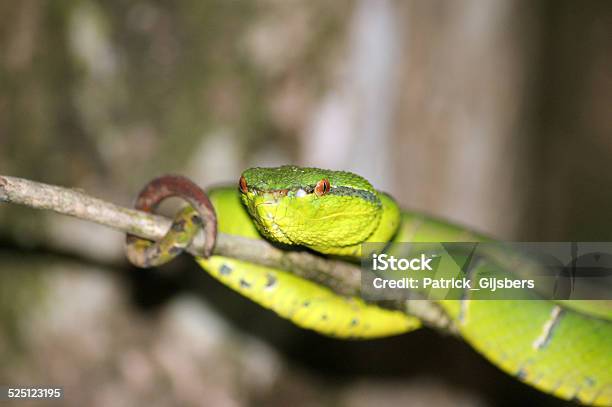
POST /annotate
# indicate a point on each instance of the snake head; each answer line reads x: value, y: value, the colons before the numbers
x: 320, y: 209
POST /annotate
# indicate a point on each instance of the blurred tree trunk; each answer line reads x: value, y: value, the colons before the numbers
x: 572, y: 194
x: 463, y: 114
x: 433, y: 104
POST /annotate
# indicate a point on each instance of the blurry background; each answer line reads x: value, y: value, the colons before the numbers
x: 494, y: 114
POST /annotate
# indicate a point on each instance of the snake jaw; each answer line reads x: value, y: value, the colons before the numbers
x: 263, y: 208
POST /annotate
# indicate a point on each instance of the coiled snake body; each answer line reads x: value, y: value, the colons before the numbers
x: 554, y: 348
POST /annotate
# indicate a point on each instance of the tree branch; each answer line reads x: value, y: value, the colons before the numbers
x: 341, y: 277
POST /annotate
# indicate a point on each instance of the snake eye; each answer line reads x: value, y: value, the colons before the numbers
x: 322, y: 187
x: 243, y: 185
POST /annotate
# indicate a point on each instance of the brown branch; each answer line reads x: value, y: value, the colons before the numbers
x: 341, y: 277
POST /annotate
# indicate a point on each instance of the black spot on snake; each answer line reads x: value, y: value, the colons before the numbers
x: 225, y: 270
x: 354, y: 322
x: 196, y: 220
x: 306, y: 303
x: 179, y: 225
x: 270, y: 281
x: 324, y: 317
x: 244, y: 283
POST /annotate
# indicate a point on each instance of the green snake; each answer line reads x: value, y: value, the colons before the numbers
x: 562, y: 350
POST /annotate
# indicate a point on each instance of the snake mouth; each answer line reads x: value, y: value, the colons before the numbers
x: 274, y: 201
x: 260, y: 197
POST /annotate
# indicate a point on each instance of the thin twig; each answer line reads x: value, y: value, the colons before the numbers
x: 344, y: 277
x: 341, y: 277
